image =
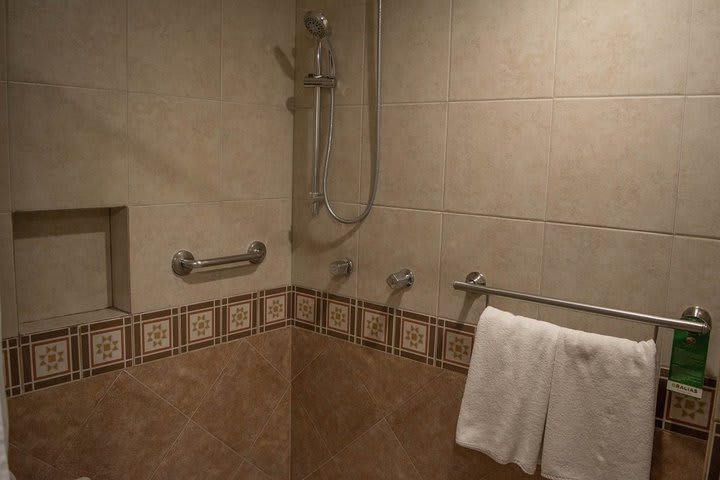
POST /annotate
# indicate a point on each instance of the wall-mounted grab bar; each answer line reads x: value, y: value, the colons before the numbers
x: 475, y: 283
x: 183, y: 262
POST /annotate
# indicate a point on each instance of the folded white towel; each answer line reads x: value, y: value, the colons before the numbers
x: 506, y: 394
x: 602, y: 401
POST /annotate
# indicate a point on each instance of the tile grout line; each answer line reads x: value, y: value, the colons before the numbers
x: 166, y: 453
x: 262, y: 429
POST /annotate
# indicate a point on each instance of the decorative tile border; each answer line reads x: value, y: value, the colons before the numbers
x: 44, y: 359
x: 50, y: 358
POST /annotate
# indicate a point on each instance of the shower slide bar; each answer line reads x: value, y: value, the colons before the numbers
x: 183, y: 262
x: 475, y: 283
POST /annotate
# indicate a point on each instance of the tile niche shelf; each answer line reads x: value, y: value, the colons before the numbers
x: 71, y: 267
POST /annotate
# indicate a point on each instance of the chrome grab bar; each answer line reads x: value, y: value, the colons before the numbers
x: 475, y: 283
x: 183, y: 262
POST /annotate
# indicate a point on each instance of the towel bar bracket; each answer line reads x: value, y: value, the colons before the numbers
x: 693, y: 319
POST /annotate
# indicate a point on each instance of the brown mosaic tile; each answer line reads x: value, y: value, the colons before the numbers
x: 390, y: 380
x: 271, y: 451
x: 376, y: 455
x: 49, y: 358
x: 676, y: 457
x: 239, y: 317
x: 276, y: 347
x: 106, y: 346
x: 42, y: 423
x: 306, y: 307
x: 156, y: 335
x: 197, y: 454
x: 335, y: 399
x: 11, y: 366
x: 415, y: 336
x: 184, y: 380
x: 425, y: 426
x: 200, y: 325
x: 374, y: 326
x: 25, y: 466
x: 240, y: 403
x: 308, y: 450
x: 338, y: 317
x: 126, y: 435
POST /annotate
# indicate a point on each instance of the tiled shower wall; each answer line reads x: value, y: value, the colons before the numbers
x: 177, y: 110
x: 567, y: 148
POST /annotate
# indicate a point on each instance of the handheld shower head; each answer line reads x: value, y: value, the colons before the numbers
x: 317, y: 24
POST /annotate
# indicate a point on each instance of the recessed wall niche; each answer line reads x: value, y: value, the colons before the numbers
x: 71, y: 266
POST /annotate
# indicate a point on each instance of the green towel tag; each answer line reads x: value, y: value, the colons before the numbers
x: 687, y: 363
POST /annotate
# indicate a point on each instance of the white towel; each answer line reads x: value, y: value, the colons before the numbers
x: 602, y: 400
x: 506, y: 394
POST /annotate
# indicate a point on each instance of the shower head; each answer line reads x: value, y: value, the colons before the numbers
x: 317, y: 24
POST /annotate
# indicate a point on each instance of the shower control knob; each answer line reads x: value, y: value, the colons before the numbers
x: 342, y: 267
x: 402, y: 279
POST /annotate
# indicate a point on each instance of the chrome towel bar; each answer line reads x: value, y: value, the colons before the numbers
x: 183, y: 262
x: 475, y: 283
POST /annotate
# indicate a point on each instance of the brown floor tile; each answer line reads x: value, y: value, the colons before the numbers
x: 241, y: 401
x: 376, y: 455
x: 27, y: 467
x: 677, y: 457
x: 336, y: 400
x: 185, y: 379
x: 42, y: 422
x: 271, y: 451
x: 425, y: 425
x: 276, y: 347
x: 306, y: 346
x: 248, y: 471
x: 198, y: 455
x: 126, y: 436
x: 390, y: 380
x: 308, y: 449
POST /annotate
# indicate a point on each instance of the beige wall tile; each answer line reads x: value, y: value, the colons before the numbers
x: 174, y: 149
x: 241, y: 223
x: 62, y: 263
x: 698, y: 194
x: 77, y: 42
x: 70, y: 135
x: 4, y: 150
x: 317, y: 241
x: 502, y: 49
x: 343, y: 183
x: 614, y: 162
x: 256, y: 160
x: 7, y: 278
x: 497, y: 158
x: 412, y: 157
x: 507, y: 252
x: 620, y: 47
x: 120, y: 258
x: 174, y: 47
x: 392, y: 239
x: 610, y: 268
x: 704, y: 64
x: 416, y: 37
x: 347, y: 24
x: 694, y: 280
x: 3, y: 40
x: 156, y: 233
x: 257, y: 51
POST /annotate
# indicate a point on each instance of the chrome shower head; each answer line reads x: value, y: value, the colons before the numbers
x: 317, y: 24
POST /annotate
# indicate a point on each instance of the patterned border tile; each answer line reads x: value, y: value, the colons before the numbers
x: 375, y: 326
x: 415, y: 336
x: 156, y: 335
x: 106, y: 346
x: 49, y: 358
x: 338, y: 318
x: 11, y: 366
x: 274, y: 309
x: 239, y: 317
x: 454, y: 346
x: 200, y: 325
